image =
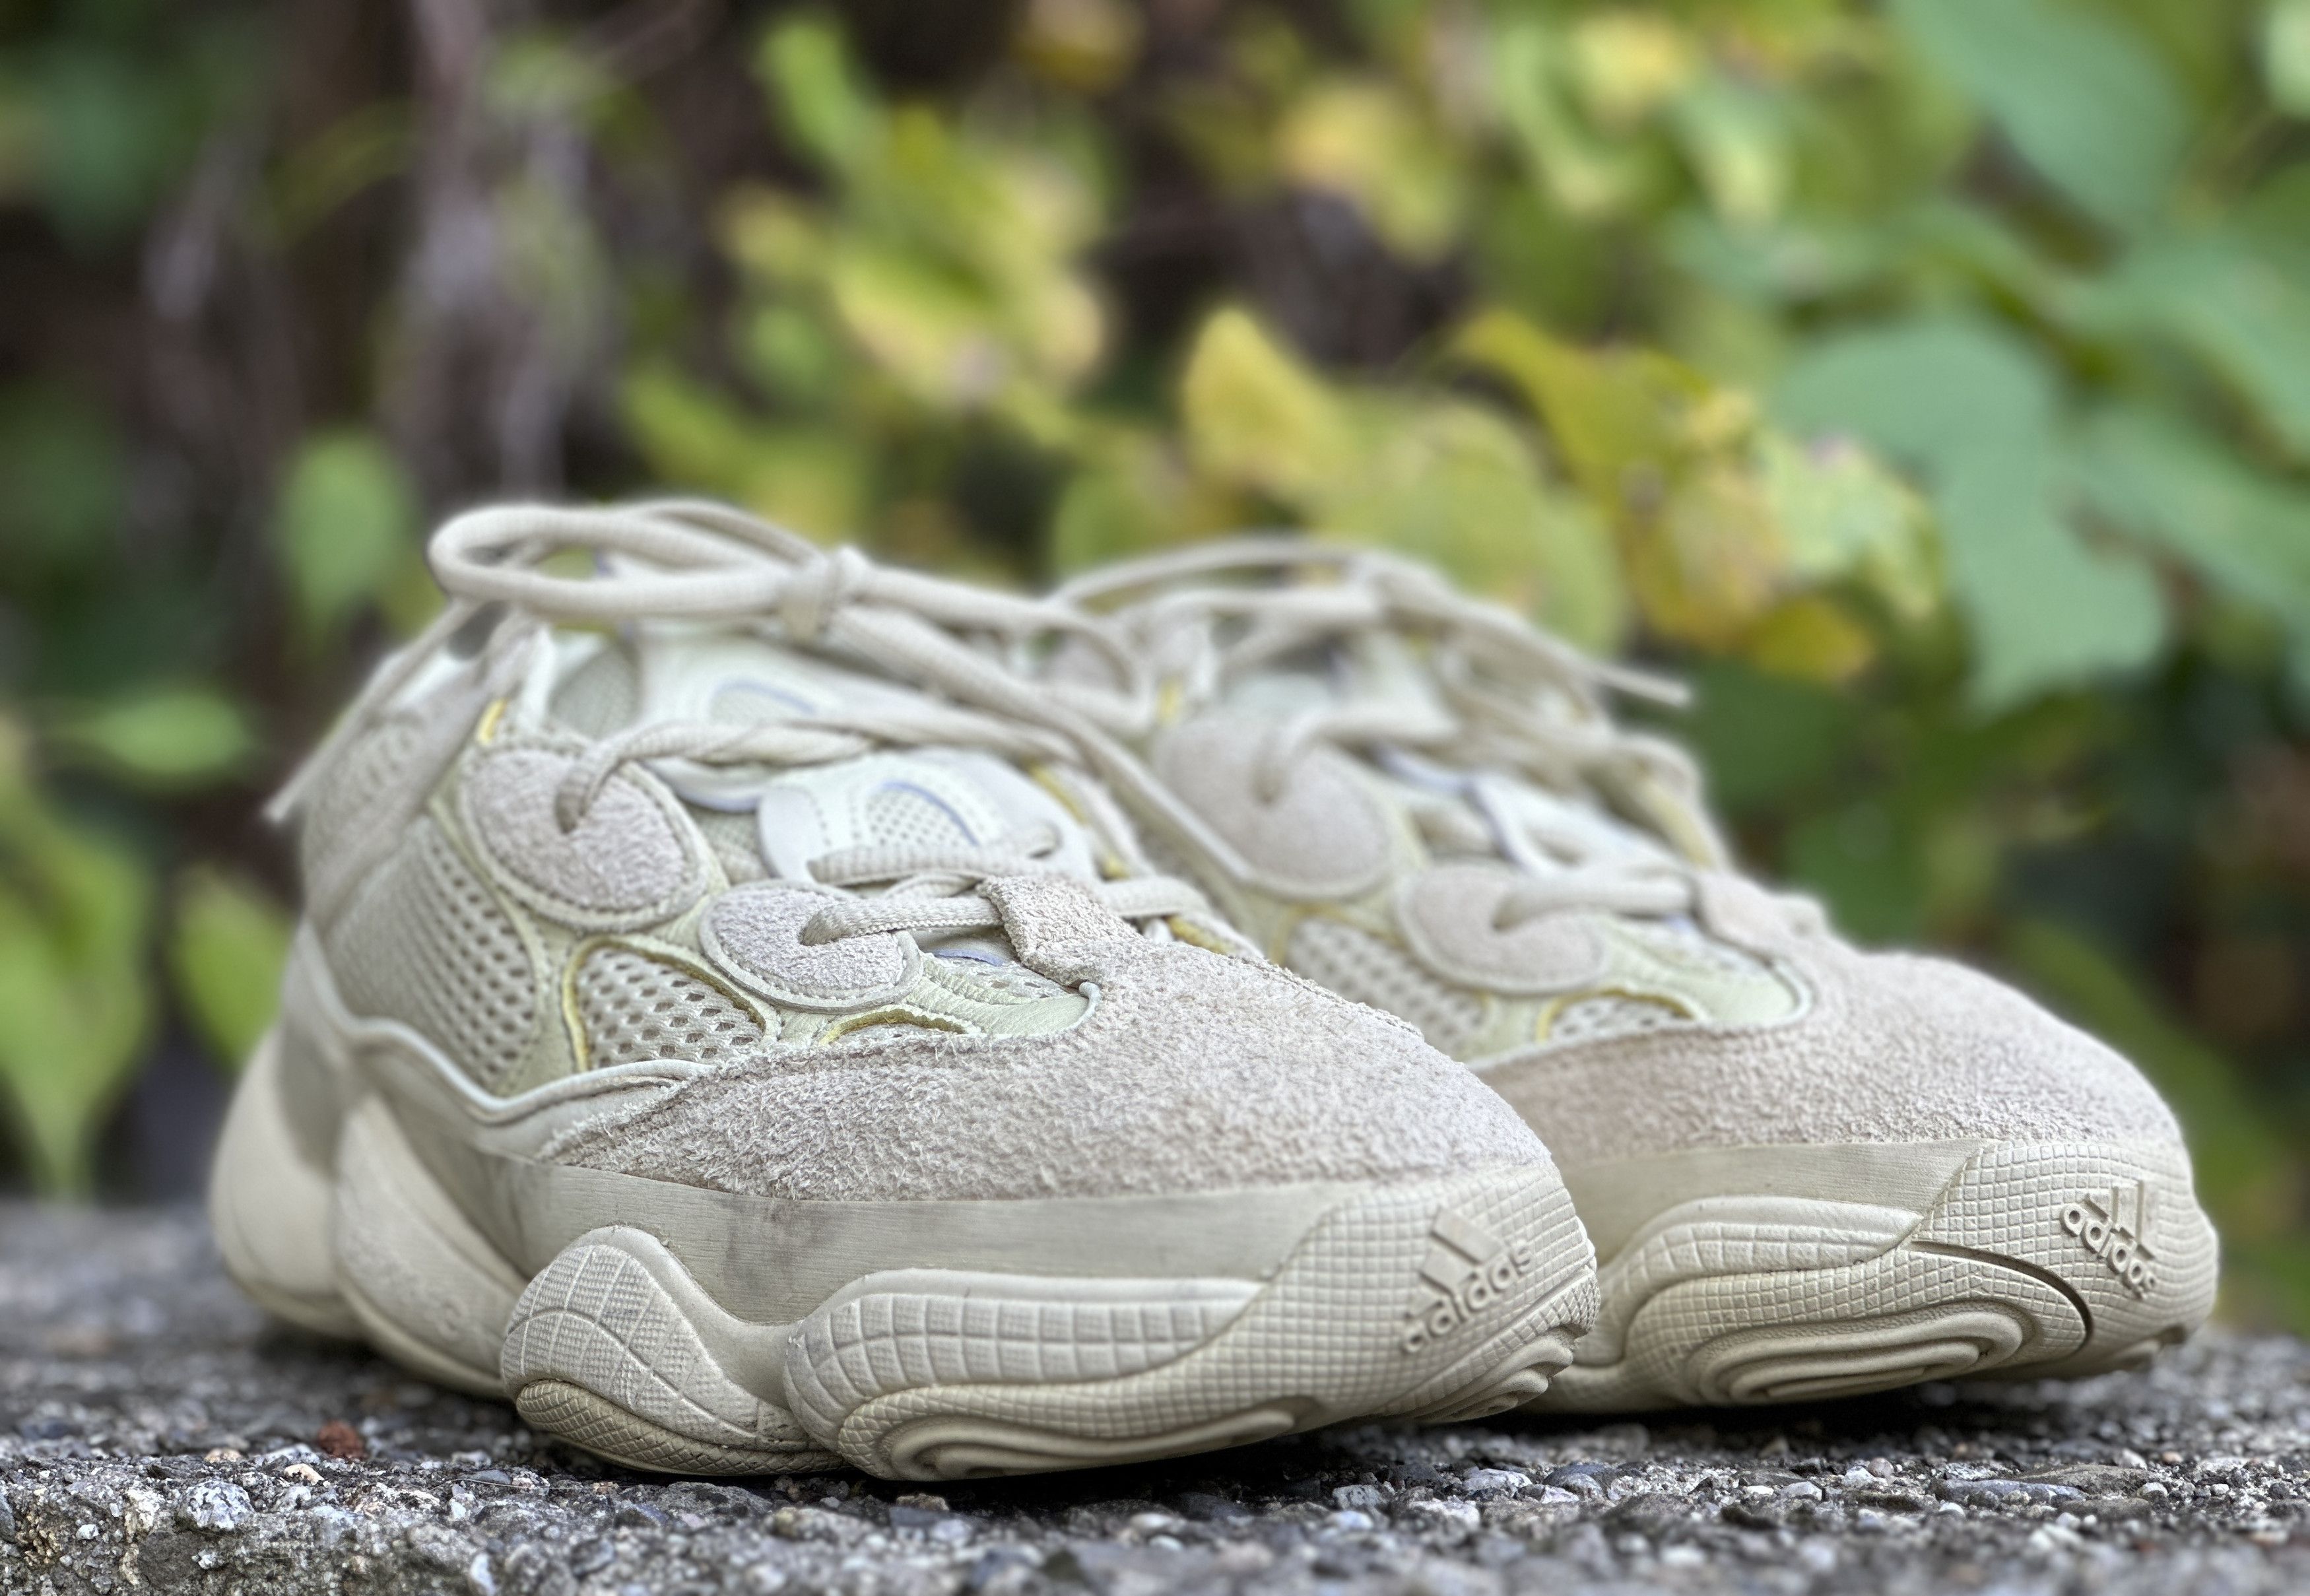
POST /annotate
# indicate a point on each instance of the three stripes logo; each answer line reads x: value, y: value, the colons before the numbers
x: 2117, y: 1230
x: 1467, y: 1270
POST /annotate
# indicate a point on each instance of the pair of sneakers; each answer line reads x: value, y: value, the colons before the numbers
x: 757, y: 1008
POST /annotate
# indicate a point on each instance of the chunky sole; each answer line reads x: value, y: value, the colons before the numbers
x: 2034, y: 1260
x: 1445, y: 1299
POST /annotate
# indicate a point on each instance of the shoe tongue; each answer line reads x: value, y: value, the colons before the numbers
x: 930, y: 797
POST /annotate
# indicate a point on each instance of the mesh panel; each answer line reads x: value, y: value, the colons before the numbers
x: 903, y: 817
x: 733, y: 838
x: 1001, y: 983
x: 599, y: 696
x: 636, y: 1008
x: 1610, y: 1015
x: 1370, y: 970
x: 426, y: 945
x: 352, y: 789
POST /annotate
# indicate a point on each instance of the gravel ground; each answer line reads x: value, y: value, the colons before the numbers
x: 157, y: 1431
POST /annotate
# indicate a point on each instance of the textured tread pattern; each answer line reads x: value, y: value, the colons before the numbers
x: 595, y: 1320
x: 1322, y: 1342
x: 601, y: 1425
x: 426, y: 945
x: 889, y: 1340
x: 636, y: 1008
x: 1991, y: 1281
x: 927, y: 1374
x: 1371, y: 969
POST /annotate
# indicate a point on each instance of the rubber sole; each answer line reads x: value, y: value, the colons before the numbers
x: 2040, y: 1260
x: 1447, y: 1298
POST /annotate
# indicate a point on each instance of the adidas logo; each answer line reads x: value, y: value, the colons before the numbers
x: 2117, y: 1232
x: 1468, y: 1268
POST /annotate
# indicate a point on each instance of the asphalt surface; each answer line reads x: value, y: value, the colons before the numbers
x: 158, y: 1433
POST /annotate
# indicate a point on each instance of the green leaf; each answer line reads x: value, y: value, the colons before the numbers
x: 167, y: 736
x: 2174, y: 485
x: 226, y: 952
x: 104, y: 143
x: 1866, y: 866
x: 1973, y: 412
x: 61, y: 458
x: 2048, y: 613
x: 2245, y: 313
x: 2286, y: 55
x: 345, y: 524
x: 2083, y: 99
x: 74, y: 910
x: 807, y: 69
x: 1762, y: 738
x: 1457, y: 485
x: 1738, y: 142
x: 1843, y: 514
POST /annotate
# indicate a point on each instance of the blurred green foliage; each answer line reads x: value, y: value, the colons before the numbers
x: 1930, y: 381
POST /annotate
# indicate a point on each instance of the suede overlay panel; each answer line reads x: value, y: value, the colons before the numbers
x: 1055, y: 924
x: 1322, y: 835
x: 1193, y: 1072
x: 754, y: 933
x: 1894, y: 1048
x: 1448, y: 915
x: 624, y: 860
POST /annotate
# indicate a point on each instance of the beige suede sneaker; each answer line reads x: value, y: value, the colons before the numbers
x: 1808, y: 1171
x: 731, y: 1021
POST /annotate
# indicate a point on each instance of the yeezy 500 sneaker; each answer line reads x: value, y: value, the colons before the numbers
x: 747, y: 1038
x: 1806, y: 1170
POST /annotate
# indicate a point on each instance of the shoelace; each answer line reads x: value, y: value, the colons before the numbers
x: 1514, y: 703
x: 706, y: 561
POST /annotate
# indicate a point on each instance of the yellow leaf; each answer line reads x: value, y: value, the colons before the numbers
x: 1843, y: 514
x: 1631, y: 63
x: 1256, y: 416
x: 1812, y: 637
x: 1082, y: 45
x: 1622, y: 419
x: 1711, y: 563
x: 1456, y: 484
x: 773, y: 235
x: 926, y: 328
x: 1364, y: 141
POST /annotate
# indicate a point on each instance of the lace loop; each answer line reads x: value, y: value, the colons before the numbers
x: 1509, y: 701
x: 688, y: 560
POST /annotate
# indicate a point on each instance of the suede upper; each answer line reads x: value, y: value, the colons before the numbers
x: 1193, y: 1072
x: 1893, y: 1047
x: 1423, y: 802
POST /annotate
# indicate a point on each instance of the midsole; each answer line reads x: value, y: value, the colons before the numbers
x: 767, y: 1260
x: 1621, y: 1197
x: 771, y: 1261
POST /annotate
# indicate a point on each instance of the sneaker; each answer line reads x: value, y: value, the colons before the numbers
x: 1808, y: 1171
x: 731, y: 1020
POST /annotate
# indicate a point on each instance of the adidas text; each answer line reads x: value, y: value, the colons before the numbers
x: 1468, y: 1270
x: 2115, y: 1229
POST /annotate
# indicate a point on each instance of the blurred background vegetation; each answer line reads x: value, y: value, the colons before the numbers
x: 1929, y: 381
